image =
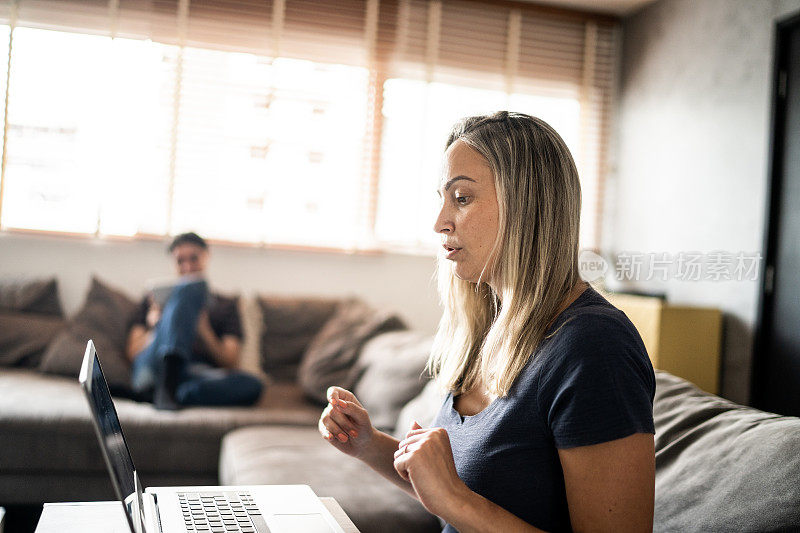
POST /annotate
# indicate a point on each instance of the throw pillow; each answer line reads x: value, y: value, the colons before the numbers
x: 24, y: 337
x: 250, y: 357
x: 289, y: 324
x: 391, y: 371
x: 105, y: 317
x: 330, y: 357
x: 422, y: 409
x: 31, y: 296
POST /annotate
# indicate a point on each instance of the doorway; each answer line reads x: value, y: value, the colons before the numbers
x: 776, y: 357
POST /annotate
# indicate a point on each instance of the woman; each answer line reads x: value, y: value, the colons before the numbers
x: 547, y: 424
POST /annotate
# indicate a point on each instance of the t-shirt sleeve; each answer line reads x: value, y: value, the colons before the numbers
x: 230, y: 323
x: 598, y: 383
x: 140, y: 316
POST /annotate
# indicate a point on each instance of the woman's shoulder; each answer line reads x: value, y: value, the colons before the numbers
x: 592, y: 333
x: 593, y: 319
x: 592, y: 379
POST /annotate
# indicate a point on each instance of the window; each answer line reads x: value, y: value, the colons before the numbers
x: 269, y: 151
x: 417, y: 117
x: 83, y: 154
x: 283, y: 122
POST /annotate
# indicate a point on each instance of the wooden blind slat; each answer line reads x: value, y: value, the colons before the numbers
x: 507, y: 46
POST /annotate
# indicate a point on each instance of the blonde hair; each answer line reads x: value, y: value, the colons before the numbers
x: 485, y: 337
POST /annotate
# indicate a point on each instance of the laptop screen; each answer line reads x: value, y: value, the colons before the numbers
x: 109, y: 433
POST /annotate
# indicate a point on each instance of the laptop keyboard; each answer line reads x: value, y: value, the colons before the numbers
x: 221, y: 512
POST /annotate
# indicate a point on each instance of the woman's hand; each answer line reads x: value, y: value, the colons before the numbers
x: 425, y: 459
x: 345, y: 423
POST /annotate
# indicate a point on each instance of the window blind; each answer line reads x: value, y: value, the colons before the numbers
x: 309, y: 121
x: 520, y: 50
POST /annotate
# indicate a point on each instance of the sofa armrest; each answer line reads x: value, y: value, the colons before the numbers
x: 721, y: 466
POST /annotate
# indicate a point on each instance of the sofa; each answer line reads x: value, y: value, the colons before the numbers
x: 298, y: 346
x: 719, y: 466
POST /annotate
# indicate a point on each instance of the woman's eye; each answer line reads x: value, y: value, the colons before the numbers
x: 463, y: 200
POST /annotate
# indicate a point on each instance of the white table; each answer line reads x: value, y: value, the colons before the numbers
x: 108, y: 517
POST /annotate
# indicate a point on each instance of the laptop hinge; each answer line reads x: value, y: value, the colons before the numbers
x: 153, y: 515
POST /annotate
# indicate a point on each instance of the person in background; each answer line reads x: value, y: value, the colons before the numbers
x: 547, y: 422
x: 187, y: 353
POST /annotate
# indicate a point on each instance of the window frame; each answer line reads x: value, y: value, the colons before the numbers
x: 380, y: 29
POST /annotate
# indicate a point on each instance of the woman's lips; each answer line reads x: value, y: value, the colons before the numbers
x: 450, y: 251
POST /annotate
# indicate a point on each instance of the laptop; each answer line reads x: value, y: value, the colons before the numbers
x: 210, y: 509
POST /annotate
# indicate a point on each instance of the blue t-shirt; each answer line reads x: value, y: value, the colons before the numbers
x: 589, y: 383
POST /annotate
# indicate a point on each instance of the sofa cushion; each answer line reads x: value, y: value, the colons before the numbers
x: 722, y: 466
x: 30, y: 296
x: 105, y: 318
x: 46, y: 429
x: 289, y: 324
x: 422, y: 409
x: 287, y: 455
x: 24, y: 337
x: 330, y: 358
x: 390, y: 372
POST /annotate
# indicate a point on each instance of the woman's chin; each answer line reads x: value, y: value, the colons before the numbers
x: 462, y: 274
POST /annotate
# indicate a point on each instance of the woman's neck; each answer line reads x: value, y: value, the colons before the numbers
x: 571, y: 296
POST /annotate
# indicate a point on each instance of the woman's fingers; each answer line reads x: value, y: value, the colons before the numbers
x: 330, y: 428
x: 400, y: 466
x: 434, y: 438
x: 333, y: 393
x: 417, y: 432
x: 405, y: 445
x: 414, y: 433
x: 353, y: 411
x: 344, y: 417
x: 324, y: 431
x: 415, y: 439
x: 347, y: 424
x: 338, y: 393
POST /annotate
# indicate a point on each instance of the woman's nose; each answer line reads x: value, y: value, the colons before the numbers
x: 443, y: 223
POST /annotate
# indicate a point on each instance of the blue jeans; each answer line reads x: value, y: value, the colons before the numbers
x: 198, y: 383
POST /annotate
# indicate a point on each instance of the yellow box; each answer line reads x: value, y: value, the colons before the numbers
x: 683, y: 340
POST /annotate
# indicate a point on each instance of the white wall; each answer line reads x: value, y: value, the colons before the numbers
x: 401, y: 283
x: 692, y: 150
